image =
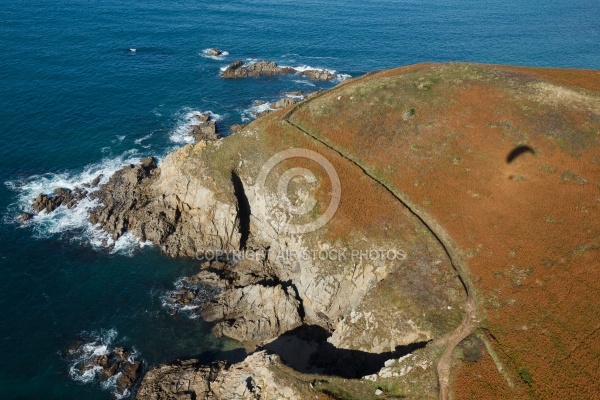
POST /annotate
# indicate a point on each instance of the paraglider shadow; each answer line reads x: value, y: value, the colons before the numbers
x: 518, y: 151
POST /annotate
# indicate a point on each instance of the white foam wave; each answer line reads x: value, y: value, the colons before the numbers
x: 127, y: 244
x: 338, y: 77
x: 251, y: 113
x: 304, y: 82
x: 202, y: 293
x: 64, y: 220
x: 288, y: 55
x: 140, y: 140
x: 187, y: 118
x: 188, y: 308
x: 303, y: 68
x: 83, y: 370
x: 97, y: 346
x: 206, y: 54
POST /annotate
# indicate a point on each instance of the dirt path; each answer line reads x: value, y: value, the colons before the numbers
x: 470, y: 321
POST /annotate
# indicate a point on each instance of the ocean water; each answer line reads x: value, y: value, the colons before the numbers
x: 75, y: 101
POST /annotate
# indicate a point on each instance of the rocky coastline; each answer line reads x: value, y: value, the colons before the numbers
x: 304, y: 321
x: 327, y: 312
x: 185, y: 208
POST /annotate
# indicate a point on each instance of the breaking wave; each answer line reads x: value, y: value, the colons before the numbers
x: 73, y: 223
x: 181, y: 133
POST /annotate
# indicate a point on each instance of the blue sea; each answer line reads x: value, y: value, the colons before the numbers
x: 76, y: 101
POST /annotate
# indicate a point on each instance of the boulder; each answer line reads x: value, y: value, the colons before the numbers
x: 102, y: 360
x: 204, y: 117
x: 237, y: 128
x: 284, y: 102
x: 130, y: 373
x: 26, y: 216
x: 205, y: 131
x: 319, y: 74
x: 97, y: 180
x: 148, y: 164
x: 110, y: 370
x: 214, y: 52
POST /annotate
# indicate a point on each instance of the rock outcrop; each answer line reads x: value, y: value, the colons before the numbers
x: 120, y: 197
x: 60, y: 197
x: 237, y: 69
x: 116, y: 364
x: 205, y: 129
x: 200, y: 199
x: 277, y: 105
x: 235, y: 128
x: 214, y: 52
x: 245, y: 302
x: 252, y: 379
x: 284, y: 102
x: 319, y: 74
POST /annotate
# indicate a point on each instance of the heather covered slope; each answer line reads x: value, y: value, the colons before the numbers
x: 507, y: 161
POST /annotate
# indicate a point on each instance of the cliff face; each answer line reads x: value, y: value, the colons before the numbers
x: 204, y: 199
x: 453, y: 188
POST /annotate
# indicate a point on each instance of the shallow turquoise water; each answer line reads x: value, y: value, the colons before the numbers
x: 74, y: 100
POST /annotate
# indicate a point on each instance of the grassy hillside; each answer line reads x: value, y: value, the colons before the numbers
x: 451, y: 138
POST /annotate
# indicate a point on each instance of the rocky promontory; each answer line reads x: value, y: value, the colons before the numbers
x: 440, y: 227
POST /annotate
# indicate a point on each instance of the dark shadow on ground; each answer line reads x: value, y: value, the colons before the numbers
x: 231, y: 356
x: 517, y: 151
x: 244, y: 212
x: 306, y: 350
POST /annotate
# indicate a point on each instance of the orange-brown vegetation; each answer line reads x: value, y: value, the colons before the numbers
x: 529, y: 229
x: 480, y: 380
